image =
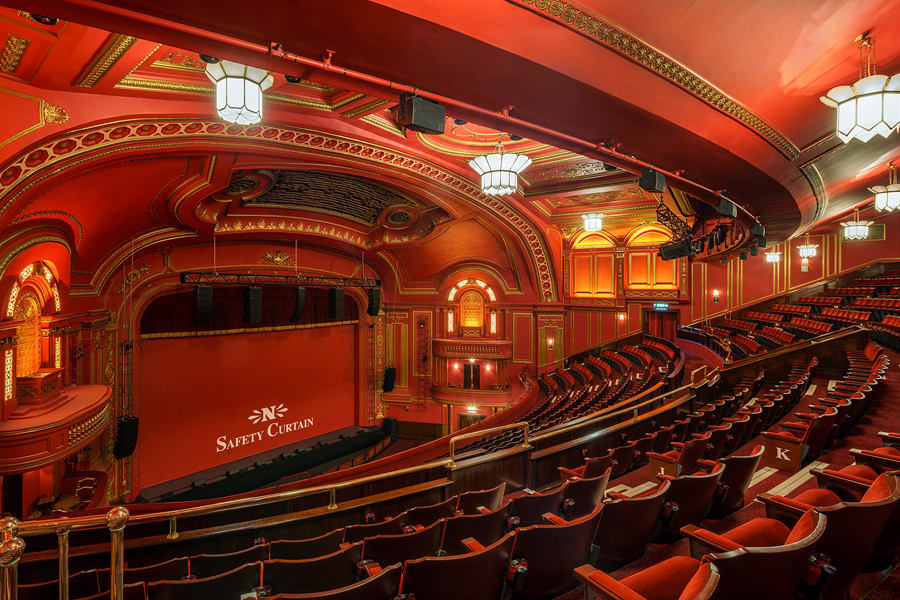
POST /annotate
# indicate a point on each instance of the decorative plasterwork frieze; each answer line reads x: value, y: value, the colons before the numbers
x: 579, y: 20
x: 114, y: 49
x: 78, y: 147
x: 12, y: 53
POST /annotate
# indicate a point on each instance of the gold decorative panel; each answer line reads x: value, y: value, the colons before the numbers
x: 471, y: 309
x: 12, y: 52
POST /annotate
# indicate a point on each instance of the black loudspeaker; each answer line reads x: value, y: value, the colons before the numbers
x: 126, y: 436
x: 675, y: 250
x: 253, y: 305
x: 420, y: 114
x: 389, y: 426
x: 202, y: 304
x: 299, y: 304
x: 652, y: 181
x: 754, y: 250
x: 374, y: 301
x: 761, y: 242
x: 758, y: 229
x: 336, y: 303
x: 727, y: 208
x: 390, y: 376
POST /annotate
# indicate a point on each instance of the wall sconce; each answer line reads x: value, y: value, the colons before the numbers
x: 550, y: 343
x: 472, y: 409
x: 715, y: 294
x: 621, y: 316
x: 471, y: 361
x: 456, y: 366
x: 487, y: 367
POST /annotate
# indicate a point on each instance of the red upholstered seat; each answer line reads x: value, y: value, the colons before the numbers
x: 853, y: 528
x: 677, y: 578
x: 772, y: 571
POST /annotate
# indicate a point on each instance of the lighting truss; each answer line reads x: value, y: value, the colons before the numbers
x: 213, y: 278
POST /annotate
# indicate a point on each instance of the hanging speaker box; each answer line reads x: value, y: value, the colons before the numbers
x: 336, y: 304
x: 420, y: 114
x: 202, y: 304
x: 299, y: 304
x: 727, y: 208
x: 126, y: 436
x: 652, y: 181
x: 253, y: 305
x: 374, y: 301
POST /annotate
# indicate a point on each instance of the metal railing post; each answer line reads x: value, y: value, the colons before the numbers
x: 115, y: 521
x: 173, y: 528
x: 11, y: 550
x: 62, y: 540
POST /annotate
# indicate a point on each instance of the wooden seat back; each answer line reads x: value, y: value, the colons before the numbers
x: 226, y: 585
x: 305, y: 576
x: 474, y: 576
x: 487, y: 528
x: 491, y: 499
x: 552, y: 553
x: 307, y: 548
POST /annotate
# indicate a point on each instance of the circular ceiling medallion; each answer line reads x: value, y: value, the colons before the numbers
x: 399, y: 217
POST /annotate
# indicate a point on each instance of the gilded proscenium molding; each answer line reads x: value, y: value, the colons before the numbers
x: 629, y: 46
x: 78, y: 147
x: 12, y: 53
x: 114, y: 49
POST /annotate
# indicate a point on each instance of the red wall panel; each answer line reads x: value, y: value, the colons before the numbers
x: 196, y: 393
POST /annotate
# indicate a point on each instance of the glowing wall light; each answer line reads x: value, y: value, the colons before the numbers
x: 773, y: 257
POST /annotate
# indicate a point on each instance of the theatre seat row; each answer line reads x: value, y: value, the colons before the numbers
x: 849, y: 524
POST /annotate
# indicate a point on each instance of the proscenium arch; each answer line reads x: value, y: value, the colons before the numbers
x: 18, y: 176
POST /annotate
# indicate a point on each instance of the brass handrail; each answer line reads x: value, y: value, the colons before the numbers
x: 482, y: 432
x: 605, y: 416
x: 31, y: 528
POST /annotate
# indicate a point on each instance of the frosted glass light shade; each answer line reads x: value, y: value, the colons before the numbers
x: 868, y: 107
x: 593, y: 222
x: 239, y: 91
x: 856, y: 230
x: 887, y: 197
x: 807, y: 250
x: 499, y: 171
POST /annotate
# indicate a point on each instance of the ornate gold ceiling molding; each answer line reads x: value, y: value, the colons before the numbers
x: 626, y: 44
x: 9, y: 256
x: 383, y: 124
x: 80, y: 147
x: 12, y: 53
x: 114, y: 49
x: 365, y: 107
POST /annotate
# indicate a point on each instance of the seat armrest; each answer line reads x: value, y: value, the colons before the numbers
x: 554, y: 519
x: 600, y: 586
x: 779, y: 506
x: 660, y: 457
x: 706, y: 463
x: 840, y: 480
x: 704, y: 541
x: 471, y: 544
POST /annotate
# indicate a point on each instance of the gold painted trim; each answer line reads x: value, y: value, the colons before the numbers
x: 585, y: 22
x: 383, y: 124
x: 140, y: 83
x: 114, y: 49
x: 365, y: 107
x: 12, y: 52
x: 183, y: 334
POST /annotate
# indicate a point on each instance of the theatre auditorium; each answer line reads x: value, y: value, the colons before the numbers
x: 449, y: 299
